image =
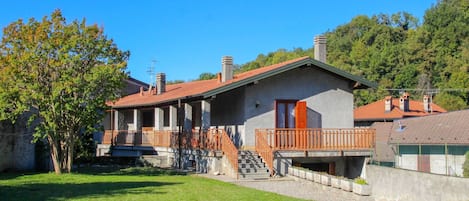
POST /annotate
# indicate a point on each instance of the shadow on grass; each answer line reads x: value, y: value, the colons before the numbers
x: 115, y: 170
x: 95, y: 190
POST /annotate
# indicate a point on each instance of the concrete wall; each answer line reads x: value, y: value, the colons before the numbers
x: 397, y: 184
x: 329, y: 100
x: 17, y: 152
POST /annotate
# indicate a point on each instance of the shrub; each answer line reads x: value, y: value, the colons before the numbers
x: 465, y: 166
x: 361, y: 181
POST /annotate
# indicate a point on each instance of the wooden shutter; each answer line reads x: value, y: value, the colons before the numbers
x: 301, y: 114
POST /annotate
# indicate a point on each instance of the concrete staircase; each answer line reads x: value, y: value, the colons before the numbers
x: 251, y: 166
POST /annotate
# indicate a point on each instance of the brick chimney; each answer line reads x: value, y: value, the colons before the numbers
x: 320, y: 48
x: 388, y: 104
x: 160, y: 83
x: 404, y: 102
x: 426, y: 103
x: 227, y: 68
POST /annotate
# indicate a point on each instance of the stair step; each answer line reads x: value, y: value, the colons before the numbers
x: 251, y: 166
x: 248, y: 171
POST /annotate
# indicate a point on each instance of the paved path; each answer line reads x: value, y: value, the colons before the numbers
x: 293, y: 187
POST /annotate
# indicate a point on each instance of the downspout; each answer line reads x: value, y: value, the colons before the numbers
x: 446, y: 158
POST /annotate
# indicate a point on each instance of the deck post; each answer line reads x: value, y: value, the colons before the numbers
x: 137, y: 120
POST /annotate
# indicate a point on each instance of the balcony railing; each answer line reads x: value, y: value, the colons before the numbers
x: 311, y: 139
x: 208, y: 139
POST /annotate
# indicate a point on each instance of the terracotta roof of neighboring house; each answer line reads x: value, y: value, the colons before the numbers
x: 444, y: 128
x: 383, y: 150
x: 208, y: 88
x: 375, y: 111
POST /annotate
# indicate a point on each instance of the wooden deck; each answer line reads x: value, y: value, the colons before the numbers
x: 269, y: 141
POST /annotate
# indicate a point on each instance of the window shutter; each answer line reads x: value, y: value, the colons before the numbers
x: 301, y: 114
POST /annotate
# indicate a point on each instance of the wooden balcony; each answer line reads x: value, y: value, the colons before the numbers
x: 208, y: 139
x: 269, y: 141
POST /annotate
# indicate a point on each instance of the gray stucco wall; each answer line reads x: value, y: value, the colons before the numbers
x: 228, y: 112
x: 329, y: 100
x: 397, y: 184
x: 242, y: 110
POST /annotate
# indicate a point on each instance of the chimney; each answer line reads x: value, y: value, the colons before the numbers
x: 160, y: 83
x: 227, y: 68
x: 404, y: 102
x: 219, y: 77
x: 320, y: 48
x: 426, y: 103
x: 141, y: 91
x: 388, y: 104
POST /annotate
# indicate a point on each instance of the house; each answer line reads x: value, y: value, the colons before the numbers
x: 435, y: 143
x: 298, y: 112
x: 390, y: 109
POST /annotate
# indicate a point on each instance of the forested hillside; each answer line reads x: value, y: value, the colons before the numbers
x: 397, y: 52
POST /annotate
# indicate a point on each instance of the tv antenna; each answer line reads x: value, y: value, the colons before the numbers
x: 151, y: 71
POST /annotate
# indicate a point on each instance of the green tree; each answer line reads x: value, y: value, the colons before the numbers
x: 64, y: 74
x: 207, y: 76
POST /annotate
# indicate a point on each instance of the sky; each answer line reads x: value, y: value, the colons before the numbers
x: 185, y: 38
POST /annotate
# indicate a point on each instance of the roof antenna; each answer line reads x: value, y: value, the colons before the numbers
x: 151, y: 72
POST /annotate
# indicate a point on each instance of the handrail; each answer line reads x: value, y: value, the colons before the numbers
x: 268, y: 141
x: 265, y: 150
x: 230, y: 151
x: 305, y: 139
x: 206, y: 139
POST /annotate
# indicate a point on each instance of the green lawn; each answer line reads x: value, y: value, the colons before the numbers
x: 125, y: 184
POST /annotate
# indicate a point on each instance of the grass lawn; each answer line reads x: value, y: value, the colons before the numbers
x: 124, y: 184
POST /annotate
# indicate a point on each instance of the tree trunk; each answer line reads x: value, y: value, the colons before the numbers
x: 55, y: 155
x: 71, y: 145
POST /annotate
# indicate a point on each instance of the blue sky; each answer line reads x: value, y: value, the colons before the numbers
x: 187, y: 38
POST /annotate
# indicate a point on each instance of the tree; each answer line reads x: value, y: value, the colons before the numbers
x: 63, y: 74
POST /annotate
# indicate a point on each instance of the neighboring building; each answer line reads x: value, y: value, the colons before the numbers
x: 19, y: 153
x: 390, y: 109
x: 296, y: 112
x: 435, y: 143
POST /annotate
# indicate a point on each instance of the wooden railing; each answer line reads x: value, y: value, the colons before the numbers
x: 312, y: 139
x: 208, y: 139
x: 265, y: 150
x: 230, y: 151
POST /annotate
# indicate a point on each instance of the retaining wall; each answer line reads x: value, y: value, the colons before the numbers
x: 398, y: 184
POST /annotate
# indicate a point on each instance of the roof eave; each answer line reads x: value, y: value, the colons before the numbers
x: 362, y: 83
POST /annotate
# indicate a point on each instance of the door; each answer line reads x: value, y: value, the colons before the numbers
x: 290, y: 114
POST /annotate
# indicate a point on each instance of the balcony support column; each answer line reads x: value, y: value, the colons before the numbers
x: 187, y: 117
x: 159, y: 118
x: 137, y: 120
x: 205, y: 115
x: 173, y: 118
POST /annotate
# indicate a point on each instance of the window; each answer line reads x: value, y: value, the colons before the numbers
x: 285, y: 110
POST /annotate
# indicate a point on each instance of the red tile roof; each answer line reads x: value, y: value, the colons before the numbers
x: 207, y: 88
x: 375, y: 111
x: 190, y: 89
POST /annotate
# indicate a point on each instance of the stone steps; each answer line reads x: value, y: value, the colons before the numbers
x: 251, y: 166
